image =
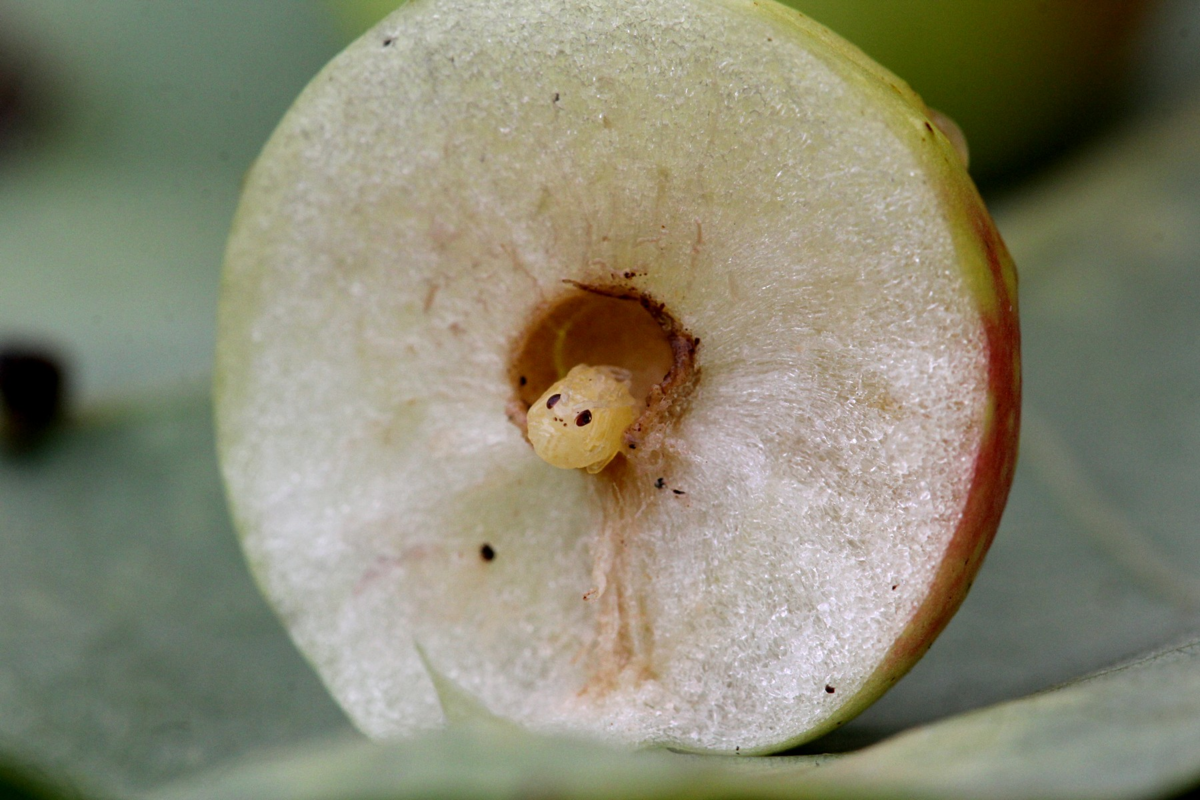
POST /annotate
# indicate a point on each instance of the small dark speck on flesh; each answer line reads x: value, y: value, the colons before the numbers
x: 928, y: 127
x: 629, y: 275
x: 660, y: 483
x: 487, y: 553
x: 829, y: 689
x: 523, y: 380
x: 388, y: 41
x: 555, y: 97
x: 679, y: 491
x: 894, y: 586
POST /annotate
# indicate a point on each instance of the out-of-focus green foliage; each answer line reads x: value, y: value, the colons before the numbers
x: 1133, y: 731
x: 17, y: 784
x: 136, y: 122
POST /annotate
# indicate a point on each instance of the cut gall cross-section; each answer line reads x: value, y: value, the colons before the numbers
x: 754, y: 232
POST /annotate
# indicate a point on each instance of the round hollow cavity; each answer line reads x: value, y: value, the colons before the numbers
x: 480, y: 192
x: 615, y: 326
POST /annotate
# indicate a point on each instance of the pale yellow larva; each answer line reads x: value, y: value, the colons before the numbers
x: 578, y: 422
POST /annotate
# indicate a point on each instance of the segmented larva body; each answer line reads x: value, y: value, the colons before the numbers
x: 578, y: 422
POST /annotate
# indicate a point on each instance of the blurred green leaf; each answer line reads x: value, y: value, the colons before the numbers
x: 466, y: 763
x: 113, y: 217
x: 134, y: 646
x: 1133, y: 731
x: 17, y: 784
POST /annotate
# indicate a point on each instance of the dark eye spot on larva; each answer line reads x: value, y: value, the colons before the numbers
x: 584, y: 418
x: 487, y: 553
x: 554, y: 398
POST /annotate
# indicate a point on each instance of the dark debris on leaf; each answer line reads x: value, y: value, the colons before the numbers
x: 32, y: 394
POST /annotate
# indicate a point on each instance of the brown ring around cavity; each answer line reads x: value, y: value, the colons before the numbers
x: 607, y: 325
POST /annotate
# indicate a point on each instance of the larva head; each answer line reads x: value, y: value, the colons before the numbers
x: 578, y: 422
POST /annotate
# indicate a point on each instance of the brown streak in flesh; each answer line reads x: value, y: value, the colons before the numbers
x: 621, y: 651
